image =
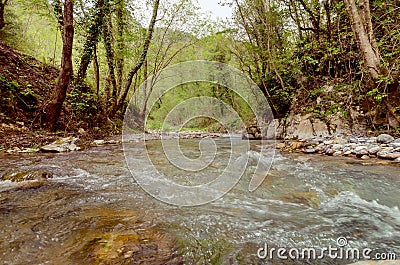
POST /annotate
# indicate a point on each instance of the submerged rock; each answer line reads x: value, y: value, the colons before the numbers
x: 27, y: 175
x: 61, y: 145
x: 309, y: 198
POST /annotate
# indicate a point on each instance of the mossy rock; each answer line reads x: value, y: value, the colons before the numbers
x: 27, y: 175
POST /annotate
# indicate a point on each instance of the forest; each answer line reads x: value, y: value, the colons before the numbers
x: 323, y: 57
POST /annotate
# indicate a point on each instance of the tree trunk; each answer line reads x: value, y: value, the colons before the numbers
x: 96, y: 71
x: 362, y: 27
x: 360, y: 17
x: 119, y: 62
x: 53, y: 108
x: 119, y: 102
x: 91, y: 42
x: 108, y: 44
x: 2, y: 5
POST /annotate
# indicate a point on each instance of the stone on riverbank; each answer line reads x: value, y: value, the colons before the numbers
x: 385, y: 138
x: 361, y: 147
x: 61, y: 145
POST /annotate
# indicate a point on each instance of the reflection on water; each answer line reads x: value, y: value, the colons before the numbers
x: 93, y: 212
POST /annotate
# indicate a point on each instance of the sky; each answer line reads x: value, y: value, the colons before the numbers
x: 216, y: 10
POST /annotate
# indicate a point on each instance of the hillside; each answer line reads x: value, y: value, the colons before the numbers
x: 24, y: 84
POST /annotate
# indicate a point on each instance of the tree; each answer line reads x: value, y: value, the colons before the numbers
x: 124, y: 92
x: 54, y: 106
x: 361, y: 23
x: 94, y: 30
x: 362, y: 27
x: 3, y: 3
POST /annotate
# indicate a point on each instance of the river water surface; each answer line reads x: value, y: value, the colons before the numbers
x: 93, y: 212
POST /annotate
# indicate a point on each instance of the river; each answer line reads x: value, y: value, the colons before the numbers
x: 93, y: 212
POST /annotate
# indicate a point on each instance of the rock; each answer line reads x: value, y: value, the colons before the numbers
x: 365, y: 157
x: 315, y: 140
x: 337, y: 147
x: 359, y: 148
x: 353, y: 139
x: 29, y: 150
x: 253, y: 132
x: 280, y: 145
x: 362, y: 140
x: 27, y: 175
x: 388, y: 155
x: 347, y: 153
x: 362, y: 152
x: 98, y: 142
x: 394, y: 144
x: 296, y: 145
x: 116, y: 142
x: 329, y: 151
x: 340, y: 141
x: 337, y: 153
x: 374, y: 150
x: 328, y: 142
x: 309, y: 198
x: 61, y: 145
x: 310, y: 151
x: 13, y: 150
x: 385, y: 138
x: 81, y: 131
x: 397, y: 160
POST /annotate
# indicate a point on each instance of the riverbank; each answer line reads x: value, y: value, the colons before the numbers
x: 383, y: 148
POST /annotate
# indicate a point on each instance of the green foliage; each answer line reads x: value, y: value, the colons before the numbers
x: 84, y: 106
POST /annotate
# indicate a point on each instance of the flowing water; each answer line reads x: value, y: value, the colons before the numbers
x: 93, y: 211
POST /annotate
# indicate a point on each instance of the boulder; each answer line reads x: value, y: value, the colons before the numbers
x: 385, y: 138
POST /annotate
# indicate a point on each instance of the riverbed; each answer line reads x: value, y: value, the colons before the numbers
x: 93, y: 211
